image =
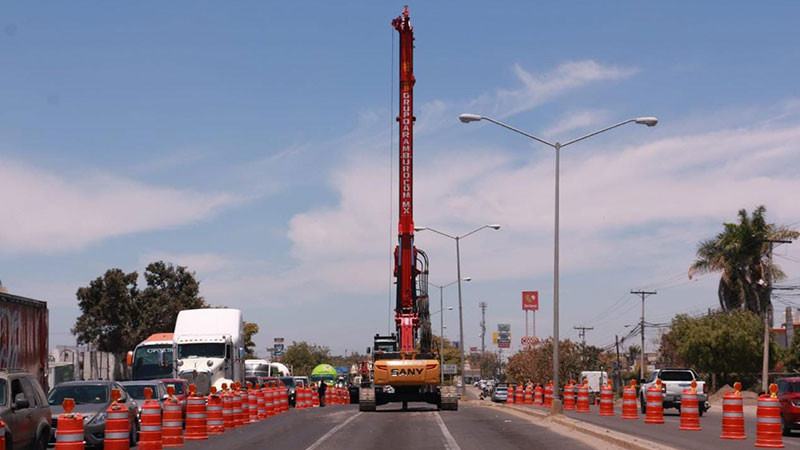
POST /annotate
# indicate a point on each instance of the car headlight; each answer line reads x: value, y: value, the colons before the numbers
x: 98, y: 419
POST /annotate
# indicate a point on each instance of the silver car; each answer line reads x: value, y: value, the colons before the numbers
x: 92, y: 399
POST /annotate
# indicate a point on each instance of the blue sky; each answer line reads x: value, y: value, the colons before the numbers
x: 251, y: 142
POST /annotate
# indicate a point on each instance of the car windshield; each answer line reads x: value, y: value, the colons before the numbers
x: 3, y: 398
x: 676, y: 375
x: 289, y: 382
x: 83, y: 393
x: 152, y: 361
x: 205, y: 350
x: 136, y: 391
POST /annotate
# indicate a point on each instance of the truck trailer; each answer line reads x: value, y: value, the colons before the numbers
x: 24, y: 335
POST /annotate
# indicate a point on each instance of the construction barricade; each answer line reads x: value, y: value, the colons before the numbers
x: 150, y: 427
x: 583, y: 398
x: 519, y: 396
x: 314, y: 397
x: 69, y: 434
x: 607, y: 400
x: 690, y: 409
x: 245, y: 415
x: 510, y: 394
x: 238, y: 416
x: 768, y: 420
x: 118, y: 425
x: 283, y: 398
x: 227, y: 408
x: 261, y: 394
x: 172, y: 421
x: 215, y: 421
x: 196, y: 419
x: 733, y: 414
x: 569, y: 397
x: 654, y: 410
x: 548, y: 395
x: 629, y: 408
x: 528, y: 395
x: 271, y: 401
x: 252, y: 404
x: 538, y: 398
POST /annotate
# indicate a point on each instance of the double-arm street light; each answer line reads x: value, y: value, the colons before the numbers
x: 460, y: 306
x: 441, y: 322
x: 650, y: 122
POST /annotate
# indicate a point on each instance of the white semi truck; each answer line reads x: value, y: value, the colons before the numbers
x: 209, y: 347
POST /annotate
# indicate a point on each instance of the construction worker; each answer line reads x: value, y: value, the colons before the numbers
x: 321, y: 391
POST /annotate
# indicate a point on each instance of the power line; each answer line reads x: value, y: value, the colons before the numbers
x: 644, y: 294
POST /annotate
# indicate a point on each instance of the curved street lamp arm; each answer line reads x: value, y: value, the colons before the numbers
x: 439, y: 232
x: 474, y: 231
x: 598, y: 132
x: 497, y: 122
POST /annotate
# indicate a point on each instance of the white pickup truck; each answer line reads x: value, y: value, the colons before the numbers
x: 673, y: 382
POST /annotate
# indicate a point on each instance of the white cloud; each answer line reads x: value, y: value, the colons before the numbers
x: 576, y: 121
x: 46, y: 212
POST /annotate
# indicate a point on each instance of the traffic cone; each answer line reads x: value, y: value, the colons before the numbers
x: 768, y: 420
x: 150, y: 429
x: 733, y: 414
x: 629, y: 409
x: 690, y: 410
x: 215, y: 421
x: 116, y: 435
x: 69, y: 434
x: 655, y: 404
x: 196, y: 419
x: 583, y: 397
x: 607, y: 400
x: 172, y: 422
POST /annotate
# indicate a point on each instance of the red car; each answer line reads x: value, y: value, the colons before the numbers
x: 181, y: 390
x: 789, y: 396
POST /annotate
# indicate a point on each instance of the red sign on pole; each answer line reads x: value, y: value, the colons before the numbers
x: 530, y: 300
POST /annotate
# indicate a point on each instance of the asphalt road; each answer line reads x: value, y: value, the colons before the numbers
x: 421, y: 427
x: 670, y: 434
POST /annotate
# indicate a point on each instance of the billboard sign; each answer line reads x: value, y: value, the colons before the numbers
x: 449, y: 369
x: 473, y: 349
x: 494, y: 337
x: 529, y: 341
x: 504, y: 343
x: 530, y: 300
x: 279, y: 347
x: 278, y: 340
x: 504, y: 327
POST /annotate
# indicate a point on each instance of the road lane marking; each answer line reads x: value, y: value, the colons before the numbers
x: 449, y: 442
x: 332, y: 432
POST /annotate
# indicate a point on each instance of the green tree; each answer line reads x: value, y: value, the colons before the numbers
x: 536, y: 364
x: 740, y: 254
x: 488, y: 363
x: 109, y: 317
x: 170, y: 290
x: 792, y: 355
x: 303, y: 357
x: 250, y: 329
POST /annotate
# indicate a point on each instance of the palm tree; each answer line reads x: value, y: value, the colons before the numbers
x: 741, y: 254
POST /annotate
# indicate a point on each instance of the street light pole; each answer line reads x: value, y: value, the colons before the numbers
x: 460, y: 303
x: 441, y: 322
x: 467, y: 118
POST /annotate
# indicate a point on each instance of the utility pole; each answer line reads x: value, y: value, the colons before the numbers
x: 641, y: 324
x: 765, y: 362
x: 582, y: 333
x: 619, y: 368
x: 482, y: 305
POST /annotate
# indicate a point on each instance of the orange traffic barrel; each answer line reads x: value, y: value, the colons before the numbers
x: 245, y: 403
x: 654, y: 412
x: 150, y: 429
x: 314, y: 397
x: 538, y: 398
x: 733, y: 414
x: 270, y: 401
x: 629, y: 409
x: 548, y: 394
x: 569, y: 397
x: 196, y: 420
x: 607, y: 400
x: 528, y: 395
x: 583, y: 398
x: 261, y: 397
x: 237, y: 407
x: 252, y: 404
x: 118, y: 425
x: 215, y: 421
x: 768, y: 420
x: 510, y: 394
x: 69, y: 434
x: 172, y: 421
x: 690, y: 409
x: 227, y: 408
x: 519, y: 396
x: 284, y: 394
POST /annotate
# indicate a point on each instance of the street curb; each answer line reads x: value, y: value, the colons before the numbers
x: 613, y: 437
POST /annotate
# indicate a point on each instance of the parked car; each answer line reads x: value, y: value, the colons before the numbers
x: 92, y: 399
x: 673, y: 382
x: 136, y: 389
x: 789, y: 396
x: 500, y: 393
x: 181, y: 390
x: 256, y: 381
x: 302, y: 381
x: 24, y: 409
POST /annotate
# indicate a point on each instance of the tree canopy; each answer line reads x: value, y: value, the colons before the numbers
x: 740, y: 253
x: 303, y: 357
x: 536, y: 364
x: 250, y: 329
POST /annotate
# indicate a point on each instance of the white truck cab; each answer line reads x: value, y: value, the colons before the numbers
x: 673, y: 382
x: 209, y: 347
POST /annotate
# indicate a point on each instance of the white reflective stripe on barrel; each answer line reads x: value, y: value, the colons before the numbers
x: 2, y: 431
x: 214, y: 408
x: 768, y: 420
x: 606, y: 400
x: 628, y: 402
x: 731, y: 401
x: 75, y: 437
x: 688, y: 409
x: 195, y: 416
x: 215, y: 422
x: 172, y: 408
x: 150, y: 428
x: 151, y: 412
x: 653, y: 404
x: 196, y: 401
x: 237, y: 410
x: 763, y: 404
x: 732, y: 414
x: 116, y: 435
x: 173, y: 424
x: 227, y: 412
x: 117, y: 415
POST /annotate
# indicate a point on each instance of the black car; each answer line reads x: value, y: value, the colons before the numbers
x: 92, y: 399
